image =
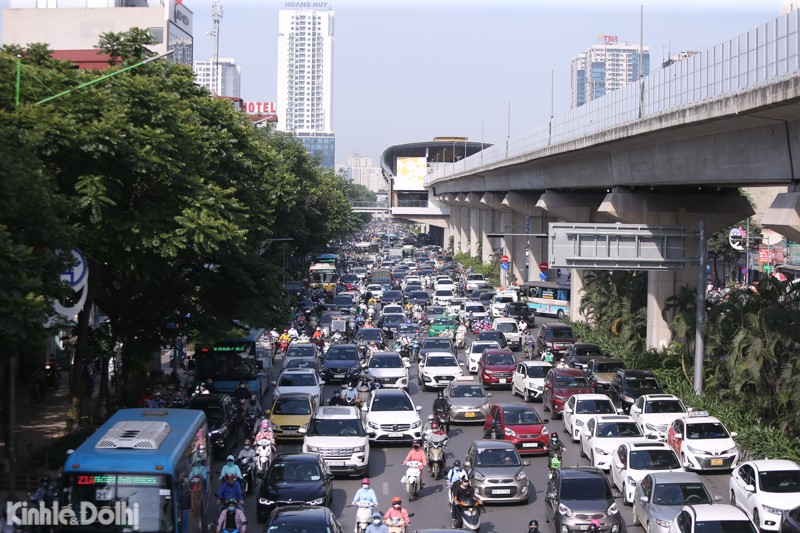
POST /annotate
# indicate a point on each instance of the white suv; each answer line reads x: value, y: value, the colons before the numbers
x: 510, y: 330
x: 475, y: 281
x: 438, y: 369
x: 390, y: 416
x: 655, y: 413
x: 497, y: 308
x: 388, y: 369
x: 337, y: 434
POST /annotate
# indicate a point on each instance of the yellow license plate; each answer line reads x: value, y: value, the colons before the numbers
x: 716, y: 462
x: 469, y: 415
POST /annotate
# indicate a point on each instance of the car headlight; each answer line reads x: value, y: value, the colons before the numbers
x: 613, y: 509
x: 373, y: 425
x: 510, y: 432
x: 416, y: 424
x: 600, y: 451
x: 264, y: 501
x: 578, y: 423
x: 650, y: 427
x: 489, y: 372
x: 318, y: 501
x: 630, y: 481
x: 628, y: 399
x: 730, y: 451
x: 520, y: 476
x: 771, y: 510
x: 696, y: 451
x: 660, y: 522
x: 564, y: 510
x: 359, y: 449
x: 535, y: 386
x: 313, y: 449
x: 544, y: 431
x: 426, y: 377
x: 480, y: 477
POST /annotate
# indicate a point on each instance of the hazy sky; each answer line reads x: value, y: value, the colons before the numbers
x: 410, y: 70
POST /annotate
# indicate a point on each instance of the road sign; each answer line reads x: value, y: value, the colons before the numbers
x: 504, y: 266
x: 744, y: 270
x: 504, y: 259
x: 543, y: 266
x: 542, y: 276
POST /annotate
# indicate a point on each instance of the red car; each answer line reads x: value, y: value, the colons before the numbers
x: 560, y: 384
x: 496, y: 367
x: 521, y: 425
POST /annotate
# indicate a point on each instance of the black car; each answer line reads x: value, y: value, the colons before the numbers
x: 580, y: 353
x: 575, y: 493
x: 391, y: 322
x: 418, y: 297
x: 475, y: 295
x: 392, y: 297
x: 294, y: 288
x: 340, y: 364
x: 436, y: 344
x: 223, y: 420
x: 520, y: 311
x: 343, y: 302
x: 630, y: 383
x: 299, y: 478
x: 302, y: 518
x: 371, y: 335
x: 493, y: 335
x: 486, y: 298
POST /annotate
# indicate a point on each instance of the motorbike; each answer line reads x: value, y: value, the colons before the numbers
x: 263, y: 457
x: 248, y: 474
x: 52, y: 375
x: 527, y: 350
x: 494, y: 432
x: 396, y: 525
x: 469, y: 515
x: 443, y: 419
x: 435, y: 452
x: 412, y: 479
x: 250, y: 421
x: 415, y: 346
x: 553, y: 463
x: 363, y: 392
x: 283, y: 346
x: 363, y: 516
x: 460, y: 337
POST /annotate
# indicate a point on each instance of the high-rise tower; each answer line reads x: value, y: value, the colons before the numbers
x: 604, y: 67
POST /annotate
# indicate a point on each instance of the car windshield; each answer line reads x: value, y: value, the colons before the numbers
x: 467, y: 391
x: 369, y: 334
x: 664, y: 406
x: 507, y: 327
x: 444, y: 292
x: 444, y: 322
x: 594, y: 407
x: 642, y: 383
x: 537, y: 371
x: 340, y: 354
x: 565, y: 381
x: 297, y: 380
x: 584, y: 351
x: 654, y: 460
x: 786, y: 481
x: 503, y: 299
x: 435, y: 310
x: 419, y: 294
x: 706, y: 430
x: 500, y: 359
x: 386, y: 362
x: 343, y: 301
x: 392, y: 295
x: 680, y: 494
x: 336, y: 427
x: 301, y: 350
x: 724, y: 526
x: 433, y: 342
x: 519, y: 417
x: 607, y: 368
x: 291, y: 406
x: 300, y: 363
x: 521, y: 310
x: 561, y: 333
x: 441, y: 361
x: 475, y: 277
x: 394, y: 318
x: 585, y: 488
x: 497, y: 457
x: 281, y: 472
x: 392, y: 403
x: 475, y: 309
x: 612, y: 430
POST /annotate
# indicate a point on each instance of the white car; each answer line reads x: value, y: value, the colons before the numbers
x: 390, y: 416
x: 635, y: 459
x: 454, y: 306
x: 603, y: 434
x: 475, y: 281
x: 388, y: 369
x: 437, y: 370
x: 443, y: 295
x: 655, y: 412
x: 528, y: 379
x: 444, y: 283
x: 702, y: 442
x: 299, y: 380
x: 708, y: 517
x: 476, y: 350
x: 475, y: 308
x: 376, y: 289
x: 765, y: 489
x: 411, y: 280
x: 581, y: 407
x: 337, y: 434
x: 393, y: 309
x: 510, y: 330
x: 497, y: 308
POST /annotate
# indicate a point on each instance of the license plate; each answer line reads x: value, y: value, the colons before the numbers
x: 395, y: 435
x: 503, y: 380
x: 501, y: 491
x: 335, y: 463
x: 338, y: 376
x: 716, y: 462
x: 290, y: 432
x: 530, y: 444
x: 469, y: 415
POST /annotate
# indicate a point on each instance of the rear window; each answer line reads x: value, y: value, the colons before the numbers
x: 507, y: 327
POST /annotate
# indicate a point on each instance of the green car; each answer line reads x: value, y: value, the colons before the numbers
x: 442, y: 324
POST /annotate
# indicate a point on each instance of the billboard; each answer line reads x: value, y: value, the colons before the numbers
x: 410, y: 173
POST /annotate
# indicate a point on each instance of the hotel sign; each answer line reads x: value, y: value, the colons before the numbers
x: 259, y: 108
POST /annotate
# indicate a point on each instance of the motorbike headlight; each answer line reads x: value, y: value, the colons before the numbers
x: 416, y: 424
x: 318, y: 501
x: 771, y: 510
x: 564, y: 510
x: 578, y: 423
x: 510, y: 432
x: 520, y: 476
x: 479, y: 476
x: 613, y: 509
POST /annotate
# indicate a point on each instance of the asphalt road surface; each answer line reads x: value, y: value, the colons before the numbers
x: 431, y: 509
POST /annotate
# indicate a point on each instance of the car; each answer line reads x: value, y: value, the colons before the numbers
x: 293, y: 288
x: 442, y: 324
x: 436, y: 344
x: 474, y: 309
x: 520, y: 311
x: 702, y: 442
x: 718, y: 517
x: 497, y: 306
x: 630, y: 383
x: 297, y: 349
x: 327, y: 318
x: 299, y: 380
x: 560, y: 384
x: 303, y: 518
x: 581, y: 407
x: 603, y: 434
x: 437, y: 369
x: 294, y: 478
x: 388, y: 369
x: 302, y: 363
x: 493, y: 335
x: 476, y: 350
x: 510, y: 330
x: 393, y: 309
x: 601, y: 371
x: 223, y: 420
x: 390, y: 416
x: 376, y: 289
x: 655, y: 412
x: 409, y: 330
x: 343, y: 302
x: 444, y: 283
x: 790, y: 521
x: 370, y: 335
x: 443, y: 295
x: 580, y: 353
x: 392, y: 297
x: 497, y: 471
x: 290, y: 412
x: 765, y: 489
x: 454, y: 307
x: 340, y: 364
x: 436, y: 311
x: 521, y: 425
x: 660, y: 496
x: 469, y: 401
x: 475, y: 281
x: 635, y: 459
x: 496, y: 367
x: 528, y: 379
x: 391, y: 322
x: 554, y: 337
x: 486, y: 298
x: 577, y: 496
x: 337, y: 434
x: 411, y: 280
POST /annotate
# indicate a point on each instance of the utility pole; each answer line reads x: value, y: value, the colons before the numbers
x: 216, y: 17
x: 700, y: 309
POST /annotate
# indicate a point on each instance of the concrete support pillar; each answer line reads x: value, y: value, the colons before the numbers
x: 506, y: 227
x: 474, y: 203
x: 576, y: 286
x: 783, y: 216
x: 518, y: 250
x: 463, y: 243
x: 486, y: 227
x: 500, y: 223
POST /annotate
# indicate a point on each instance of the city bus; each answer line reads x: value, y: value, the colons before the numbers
x: 547, y: 297
x: 408, y: 251
x: 150, y: 467
x: 327, y: 259
x: 323, y: 276
x: 231, y: 361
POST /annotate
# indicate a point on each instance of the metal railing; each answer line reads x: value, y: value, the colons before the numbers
x: 763, y: 56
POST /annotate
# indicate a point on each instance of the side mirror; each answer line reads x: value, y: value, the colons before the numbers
x: 677, y: 436
x: 687, y: 464
x: 734, y: 434
x: 619, y: 410
x: 749, y: 488
x: 717, y: 498
x: 567, y: 409
x: 643, y: 499
x: 273, y: 383
x: 618, y: 464
x: 489, y: 394
x: 419, y: 408
x: 526, y: 463
x: 550, y: 495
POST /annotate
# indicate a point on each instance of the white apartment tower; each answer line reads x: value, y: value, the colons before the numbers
x: 229, y: 75
x: 305, y: 79
x: 361, y: 171
x: 604, y: 67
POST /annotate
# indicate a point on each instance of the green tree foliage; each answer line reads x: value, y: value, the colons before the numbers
x: 616, y: 301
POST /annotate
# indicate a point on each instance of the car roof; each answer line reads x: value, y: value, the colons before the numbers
x: 297, y: 458
x: 514, y: 407
x: 649, y: 397
x: 568, y: 371
x: 646, y: 444
x: 591, y: 396
x: 494, y: 445
x: 293, y: 396
x: 497, y: 351
x: 298, y: 515
x: 439, y: 354
x: 337, y: 411
x: 702, y: 419
x: 605, y: 359
x: 557, y: 326
x: 573, y: 472
x: 298, y: 371
x: 676, y: 477
x: 390, y: 392
x: 383, y: 355
x: 767, y: 465
x: 500, y: 320
x: 636, y: 372
x: 717, y: 511
x: 473, y: 302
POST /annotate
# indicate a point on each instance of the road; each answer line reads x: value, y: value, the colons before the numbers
x: 430, y: 510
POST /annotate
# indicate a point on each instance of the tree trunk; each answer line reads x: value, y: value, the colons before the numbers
x: 76, y: 386
x: 10, y: 410
x: 101, y: 408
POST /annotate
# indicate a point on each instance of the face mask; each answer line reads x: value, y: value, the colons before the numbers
x: 376, y: 521
x: 365, y: 486
x: 231, y: 509
x: 395, y: 505
x: 247, y: 447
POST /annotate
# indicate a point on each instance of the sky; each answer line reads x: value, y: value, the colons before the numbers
x: 411, y: 70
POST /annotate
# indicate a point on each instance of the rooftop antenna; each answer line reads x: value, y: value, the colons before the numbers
x: 216, y: 17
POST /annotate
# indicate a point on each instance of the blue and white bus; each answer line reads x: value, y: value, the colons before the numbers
x: 547, y: 297
x: 151, y: 466
x: 229, y: 362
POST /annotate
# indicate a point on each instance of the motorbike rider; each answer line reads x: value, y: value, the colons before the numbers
x: 241, y: 392
x: 494, y: 431
x: 462, y: 492
x: 252, y: 410
x: 230, y: 468
x: 416, y: 454
x: 45, y: 492
x: 317, y: 334
x: 397, y: 511
x: 293, y: 334
x: 547, y: 356
x: 562, y: 363
x: 555, y: 443
x: 428, y: 424
x: 231, y: 490
x: 461, y: 334
x: 455, y: 473
x: 350, y: 394
x: 365, y: 493
x: 377, y: 525
x: 533, y: 526
x: 232, y: 519
x: 265, y: 432
x: 528, y: 341
x: 247, y: 451
x: 441, y: 407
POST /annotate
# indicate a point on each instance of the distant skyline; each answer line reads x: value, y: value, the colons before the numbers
x: 407, y: 71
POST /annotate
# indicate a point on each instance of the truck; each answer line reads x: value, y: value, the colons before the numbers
x: 396, y: 252
x: 382, y: 276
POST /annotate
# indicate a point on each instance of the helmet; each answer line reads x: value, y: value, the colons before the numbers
x: 264, y: 424
x: 318, y: 329
x: 230, y: 458
x: 396, y: 499
x: 232, y: 500
x: 416, y: 445
x: 430, y: 417
x: 457, y: 464
x: 533, y: 523
x: 554, y: 436
x: 365, y: 481
x: 247, y: 442
x: 435, y: 425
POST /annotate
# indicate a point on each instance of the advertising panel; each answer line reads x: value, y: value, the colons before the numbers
x: 410, y: 173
